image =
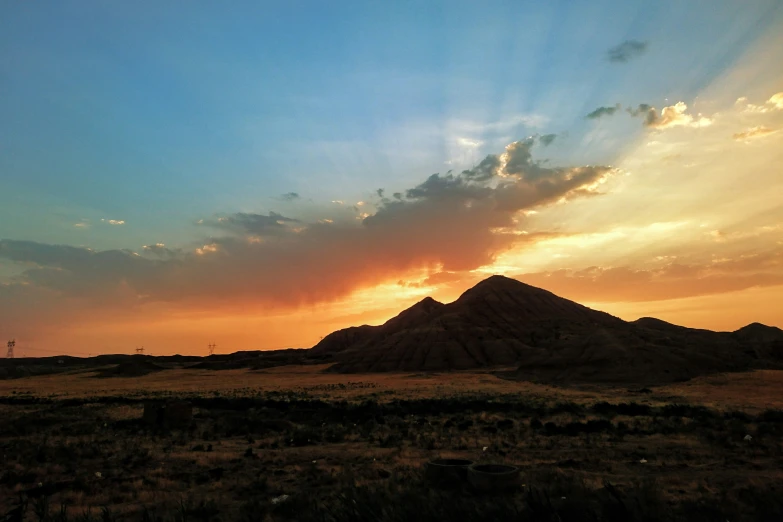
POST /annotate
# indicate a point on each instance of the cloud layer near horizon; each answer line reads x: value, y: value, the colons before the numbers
x: 454, y: 222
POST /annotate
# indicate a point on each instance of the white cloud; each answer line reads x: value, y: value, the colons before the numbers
x: 675, y: 116
x: 467, y: 142
x: 207, y: 249
x: 774, y: 103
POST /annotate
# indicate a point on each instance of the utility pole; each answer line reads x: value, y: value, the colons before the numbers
x: 140, y: 350
x: 10, y: 344
x: 211, y: 347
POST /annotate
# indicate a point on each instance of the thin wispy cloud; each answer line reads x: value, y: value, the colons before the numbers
x: 600, y: 112
x: 774, y: 103
x: 626, y: 51
x: 753, y: 132
x: 671, y: 116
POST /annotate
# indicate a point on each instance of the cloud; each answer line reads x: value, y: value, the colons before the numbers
x: 639, y: 110
x: 671, y: 116
x: 449, y: 222
x: 674, y: 116
x: 113, y: 221
x: 625, y: 51
x: 673, y: 281
x: 774, y: 103
x: 210, y: 248
x: 469, y: 143
x: 249, y: 223
x: 649, y: 113
x: 547, y: 139
x: 603, y: 111
x: 290, y: 196
x: 160, y: 250
x: 753, y: 132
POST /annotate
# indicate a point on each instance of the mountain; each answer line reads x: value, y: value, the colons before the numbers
x: 504, y: 322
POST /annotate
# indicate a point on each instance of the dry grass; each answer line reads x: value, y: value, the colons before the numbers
x: 301, y: 432
x: 751, y: 391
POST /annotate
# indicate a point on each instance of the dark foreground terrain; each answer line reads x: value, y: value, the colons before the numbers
x: 312, y: 447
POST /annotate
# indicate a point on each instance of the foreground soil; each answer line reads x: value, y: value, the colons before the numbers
x: 294, y: 443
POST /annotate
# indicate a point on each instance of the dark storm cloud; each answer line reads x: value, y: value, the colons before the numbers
x: 626, y: 51
x: 547, y: 139
x: 290, y: 196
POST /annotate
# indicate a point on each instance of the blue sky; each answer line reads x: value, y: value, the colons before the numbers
x: 160, y: 114
x: 128, y: 124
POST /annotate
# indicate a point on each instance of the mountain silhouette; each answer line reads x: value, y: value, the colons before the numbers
x: 504, y: 322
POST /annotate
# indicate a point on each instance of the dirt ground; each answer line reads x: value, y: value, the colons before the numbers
x: 293, y: 443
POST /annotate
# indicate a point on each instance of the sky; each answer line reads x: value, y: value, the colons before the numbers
x: 259, y: 174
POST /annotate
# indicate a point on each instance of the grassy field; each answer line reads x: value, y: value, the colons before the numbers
x: 293, y: 443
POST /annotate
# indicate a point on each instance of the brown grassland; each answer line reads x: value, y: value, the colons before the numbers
x: 294, y: 443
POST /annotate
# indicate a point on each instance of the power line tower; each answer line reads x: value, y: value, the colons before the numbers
x: 211, y: 347
x: 10, y: 344
x: 140, y: 350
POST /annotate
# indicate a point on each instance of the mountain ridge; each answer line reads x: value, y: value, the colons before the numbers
x: 505, y: 322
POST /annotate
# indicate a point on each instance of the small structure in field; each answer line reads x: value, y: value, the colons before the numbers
x: 168, y: 414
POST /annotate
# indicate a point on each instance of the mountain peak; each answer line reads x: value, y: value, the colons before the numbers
x: 410, y: 316
x: 498, y: 279
x: 500, y: 283
x: 502, y: 322
x: 758, y: 331
x: 758, y: 326
x: 427, y: 302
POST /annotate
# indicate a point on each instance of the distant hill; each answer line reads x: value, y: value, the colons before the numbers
x: 133, y: 368
x: 504, y: 322
x: 123, y: 365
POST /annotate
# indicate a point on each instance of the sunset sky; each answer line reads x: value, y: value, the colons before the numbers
x: 259, y: 174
